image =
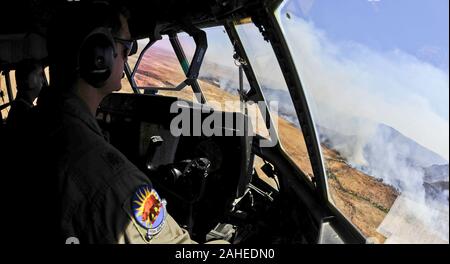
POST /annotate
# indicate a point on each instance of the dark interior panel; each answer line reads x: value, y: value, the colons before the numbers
x: 139, y: 126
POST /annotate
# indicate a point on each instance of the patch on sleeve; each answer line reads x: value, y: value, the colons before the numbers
x: 148, y: 210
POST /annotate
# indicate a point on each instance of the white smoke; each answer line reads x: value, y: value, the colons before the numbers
x: 393, y: 88
x: 358, y: 94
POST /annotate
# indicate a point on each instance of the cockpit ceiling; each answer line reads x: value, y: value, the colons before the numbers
x: 148, y: 18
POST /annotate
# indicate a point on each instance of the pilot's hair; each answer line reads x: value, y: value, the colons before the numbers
x: 68, y: 29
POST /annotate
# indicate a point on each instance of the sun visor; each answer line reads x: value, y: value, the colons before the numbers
x: 18, y: 47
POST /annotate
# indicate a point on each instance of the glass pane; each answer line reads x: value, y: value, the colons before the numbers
x: 219, y: 79
x: 4, y: 96
x: 376, y: 74
x: 274, y: 88
x: 160, y: 68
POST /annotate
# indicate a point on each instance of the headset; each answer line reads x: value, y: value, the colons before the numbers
x: 96, y: 56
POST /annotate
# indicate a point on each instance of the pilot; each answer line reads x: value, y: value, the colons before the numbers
x: 29, y: 79
x: 101, y: 196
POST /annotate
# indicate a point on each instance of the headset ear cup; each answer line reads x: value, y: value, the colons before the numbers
x: 96, y: 59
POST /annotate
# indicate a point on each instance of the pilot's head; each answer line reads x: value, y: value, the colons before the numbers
x: 29, y: 80
x: 89, y: 43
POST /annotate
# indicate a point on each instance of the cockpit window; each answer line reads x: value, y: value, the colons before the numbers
x: 160, y: 68
x: 219, y: 80
x: 376, y: 74
x: 218, y: 77
x: 4, y: 97
x: 273, y: 86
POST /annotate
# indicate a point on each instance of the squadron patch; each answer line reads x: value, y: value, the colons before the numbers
x: 148, y: 210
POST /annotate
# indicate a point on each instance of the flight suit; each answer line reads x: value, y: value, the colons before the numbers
x: 97, y: 185
x: 19, y: 108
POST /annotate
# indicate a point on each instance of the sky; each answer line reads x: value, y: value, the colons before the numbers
x: 417, y: 27
x: 388, y: 61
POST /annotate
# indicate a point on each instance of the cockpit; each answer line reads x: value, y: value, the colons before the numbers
x: 192, y: 116
x: 214, y: 111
